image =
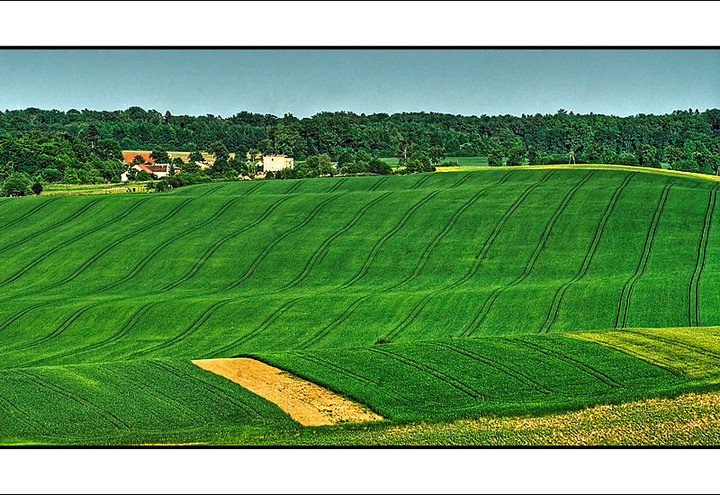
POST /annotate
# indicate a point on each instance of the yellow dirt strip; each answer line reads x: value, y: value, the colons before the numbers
x: 305, y: 402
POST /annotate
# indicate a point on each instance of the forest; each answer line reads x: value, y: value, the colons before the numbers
x: 83, y: 146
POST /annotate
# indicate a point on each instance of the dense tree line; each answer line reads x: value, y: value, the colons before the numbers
x: 84, y: 146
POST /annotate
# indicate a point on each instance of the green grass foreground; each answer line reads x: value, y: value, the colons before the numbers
x: 431, y: 298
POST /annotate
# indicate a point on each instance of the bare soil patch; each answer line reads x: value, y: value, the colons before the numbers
x: 305, y: 402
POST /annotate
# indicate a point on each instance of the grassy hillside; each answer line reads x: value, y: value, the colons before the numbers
x: 426, y: 297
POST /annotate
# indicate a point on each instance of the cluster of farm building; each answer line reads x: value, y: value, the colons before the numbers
x: 263, y: 164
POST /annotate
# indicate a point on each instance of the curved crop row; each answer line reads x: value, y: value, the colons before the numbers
x: 147, y: 258
x: 584, y: 367
x: 217, y: 244
x: 337, y: 184
x: 199, y: 322
x: 474, y: 267
x: 378, y: 183
x: 425, y: 255
x: 529, y: 264
x: 124, y: 330
x: 503, y: 368
x: 67, y: 242
x: 54, y: 226
x: 250, y: 270
x: 434, y: 372
x: 323, y: 248
x: 379, y: 243
x: 57, y: 389
x: 313, y: 339
x: 208, y: 387
x: 27, y: 214
x: 420, y: 182
x: 557, y: 299
x: 626, y: 293
x: 259, y: 329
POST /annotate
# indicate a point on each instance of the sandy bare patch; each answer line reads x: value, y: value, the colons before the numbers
x: 305, y: 402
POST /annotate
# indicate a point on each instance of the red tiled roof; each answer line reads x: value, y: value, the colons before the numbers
x: 129, y: 156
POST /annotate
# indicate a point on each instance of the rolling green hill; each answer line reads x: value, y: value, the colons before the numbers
x: 426, y: 297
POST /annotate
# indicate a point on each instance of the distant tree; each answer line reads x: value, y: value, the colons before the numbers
x: 495, y: 158
x: 191, y: 168
x: 160, y: 155
x: 269, y: 175
x: 6, y: 170
x: 219, y: 150
x: 138, y: 160
x: 18, y: 184
x: 166, y: 117
x: 436, y: 154
x: 516, y: 155
x: 143, y: 176
x: 196, y: 157
x: 37, y: 188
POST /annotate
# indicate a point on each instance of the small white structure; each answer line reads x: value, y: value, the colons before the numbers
x: 273, y: 163
x: 159, y: 171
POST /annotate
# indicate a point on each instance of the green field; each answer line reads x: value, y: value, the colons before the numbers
x: 429, y: 297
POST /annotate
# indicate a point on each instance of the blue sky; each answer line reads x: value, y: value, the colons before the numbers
x: 304, y: 82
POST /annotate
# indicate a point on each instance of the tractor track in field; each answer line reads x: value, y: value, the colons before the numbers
x: 420, y: 182
x: 67, y: 242
x: 250, y: 270
x: 377, y: 184
x: 194, y: 326
x: 19, y: 315
x: 626, y: 293
x: 217, y: 244
x: 97, y: 255
x: 293, y: 187
x: 480, y: 256
x: 559, y: 295
x: 430, y: 371
x: 475, y: 266
x: 52, y: 227
x: 380, y: 242
x: 425, y: 255
x: 321, y: 251
x: 333, y: 324
x: 260, y: 328
x: 529, y: 264
x: 462, y: 180
x: 33, y: 423
x: 143, y: 229
x: 58, y: 331
x: 337, y: 184
x: 105, y: 414
x: 28, y: 213
x: 147, y: 258
x: 124, y: 330
x: 155, y: 394
x: 677, y: 343
x: 654, y: 361
x: 350, y: 374
x: 215, y: 391
x: 252, y: 189
x: 585, y: 368
x: 694, y: 289
x: 501, y: 367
